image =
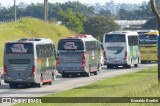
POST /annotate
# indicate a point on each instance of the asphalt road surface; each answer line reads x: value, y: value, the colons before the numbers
x: 61, y: 84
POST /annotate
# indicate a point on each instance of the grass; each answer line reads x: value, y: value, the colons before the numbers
x: 140, y: 84
x: 30, y: 28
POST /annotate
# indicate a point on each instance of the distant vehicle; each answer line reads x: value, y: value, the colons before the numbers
x: 121, y: 48
x: 79, y: 54
x: 29, y: 61
x: 148, y: 46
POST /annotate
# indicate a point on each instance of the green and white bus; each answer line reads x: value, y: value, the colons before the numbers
x: 121, y: 48
x: 29, y: 61
x: 79, y: 54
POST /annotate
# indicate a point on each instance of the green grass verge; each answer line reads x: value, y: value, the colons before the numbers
x: 140, y: 84
x: 30, y: 28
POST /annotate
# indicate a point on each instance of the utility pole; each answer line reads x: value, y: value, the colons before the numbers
x: 45, y: 10
x: 15, y: 17
x: 157, y: 16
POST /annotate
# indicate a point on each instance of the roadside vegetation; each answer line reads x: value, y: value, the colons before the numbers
x: 30, y: 28
x: 139, y: 84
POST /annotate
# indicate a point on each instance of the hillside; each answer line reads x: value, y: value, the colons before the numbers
x: 30, y: 28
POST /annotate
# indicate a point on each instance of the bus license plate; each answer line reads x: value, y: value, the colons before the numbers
x: 19, y: 79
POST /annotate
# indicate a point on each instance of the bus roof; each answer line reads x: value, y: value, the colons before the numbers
x: 144, y: 31
x: 124, y: 32
x: 153, y: 33
x: 83, y: 37
x: 32, y: 40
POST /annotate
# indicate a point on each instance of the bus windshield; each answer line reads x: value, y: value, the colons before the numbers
x: 19, y: 48
x: 148, y: 39
x: 70, y: 44
x: 115, y: 38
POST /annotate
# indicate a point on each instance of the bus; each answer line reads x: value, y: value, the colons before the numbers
x: 121, y: 48
x: 29, y: 61
x: 148, y: 46
x: 78, y: 55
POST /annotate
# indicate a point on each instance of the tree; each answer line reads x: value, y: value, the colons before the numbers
x: 99, y: 25
x: 124, y: 14
x: 103, y: 12
x: 73, y: 21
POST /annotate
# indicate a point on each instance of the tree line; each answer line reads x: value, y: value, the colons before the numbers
x: 82, y: 18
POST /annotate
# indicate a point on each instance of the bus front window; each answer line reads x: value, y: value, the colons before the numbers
x: 148, y: 39
x: 70, y: 44
x: 115, y: 38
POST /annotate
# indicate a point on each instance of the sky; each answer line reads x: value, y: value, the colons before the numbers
x: 102, y: 2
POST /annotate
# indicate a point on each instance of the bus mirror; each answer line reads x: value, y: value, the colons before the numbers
x: 56, y: 54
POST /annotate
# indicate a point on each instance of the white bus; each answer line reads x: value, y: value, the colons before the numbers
x: 79, y: 54
x: 121, y: 48
x: 29, y: 61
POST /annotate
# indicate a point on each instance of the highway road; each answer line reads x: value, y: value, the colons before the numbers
x: 61, y: 84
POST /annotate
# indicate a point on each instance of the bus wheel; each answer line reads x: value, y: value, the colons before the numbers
x: 109, y: 66
x: 13, y: 85
x: 95, y: 73
x: 63, y: 75
x: 88, y: 74
x: 136, y: 65
x: 127, y: 66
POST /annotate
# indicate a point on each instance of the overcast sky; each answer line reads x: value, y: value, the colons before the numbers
x: 102, y: 2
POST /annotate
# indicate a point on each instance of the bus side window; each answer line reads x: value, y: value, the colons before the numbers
x: 39, y: 51
x: 133, y: 40
x: 50, y: 50
x: 43, y: 51
x: 47, y: 51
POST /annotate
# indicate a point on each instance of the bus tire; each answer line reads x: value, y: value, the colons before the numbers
x: 128, y: 66
x: 13, y: 85
x: 88, y: 74
x: 136, y: 65
x: 110, y: 66
x: 83, y: 74
x: 95, y: 73
x: 63, y: 75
